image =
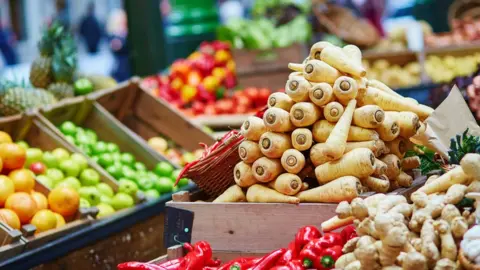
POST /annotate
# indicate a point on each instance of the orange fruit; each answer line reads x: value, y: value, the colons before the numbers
x: 60, y: 220
x: 40, y: 200
x: 7, y: 188
x: 23, y: 205
x: 23, y: 180
x: 44, y: 220
x: 10, y: 218
x: 64, y: 200
x: 12, y: 155
x: 5, y: 137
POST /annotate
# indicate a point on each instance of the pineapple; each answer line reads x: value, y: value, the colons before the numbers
x: 61, y: 90
x: 64, y: 64
x: 16, y: 98
x: 41, y: 69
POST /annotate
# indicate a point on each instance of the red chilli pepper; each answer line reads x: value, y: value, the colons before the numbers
x: 305, y: 235
x: 289, y: 255
x: 139, y: 266
x: 244, y: 263
x: 269, y: 261
x: 293, y: 265
x: 348, y: 233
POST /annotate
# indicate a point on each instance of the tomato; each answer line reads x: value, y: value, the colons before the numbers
x: 198, y: 107
x: 219, y: 72
x: 224, y: 106
x: 263, y: 95
x: 243, y: 100
x: 194, y: 78
x: 210, y: 109
x: 221, y: 57
x: 177, y: 84
x: 241, y: 109
x: 252, y: 93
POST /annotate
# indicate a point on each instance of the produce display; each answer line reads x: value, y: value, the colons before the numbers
x: 309, y: 250
x: 396, y: 38
x: 443, y: 69
x: 473, y: 93
x: 131, y: 175
x: 392, y: 74
x: 329, y: 126
x: 264, y: 34
x: 20, y: 203
x: 424, y: 234
x: 172, y: 152
x: 202, y: 77
x: 246, y: 101
x: 464, y: 32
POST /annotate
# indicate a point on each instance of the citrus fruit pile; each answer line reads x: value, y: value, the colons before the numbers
x: 131, y: 174
x: 174, y: 153
x: 19, y: 203
x: 59, y: 168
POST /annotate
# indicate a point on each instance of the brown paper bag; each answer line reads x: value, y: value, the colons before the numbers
x: 452, y: 117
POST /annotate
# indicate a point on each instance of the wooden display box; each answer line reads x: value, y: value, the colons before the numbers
x: 11, y: 242
x: 267, y: 68
x: 89, y: 114
x: 149, y: 116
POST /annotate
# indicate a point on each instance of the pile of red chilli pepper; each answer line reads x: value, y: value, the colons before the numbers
x: 309, y: 250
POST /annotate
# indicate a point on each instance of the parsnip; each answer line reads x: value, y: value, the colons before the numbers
x: 408, y: 122
x: 376, y: 184
x: 253, y: 128
x: 243, y: 175
x: 293, y: 161
x: 249, y: 151
x: 445, y: 181
x: 359, y: 162
x: 393, y: 165
x: 280, y: 100
x: 321, y: 93
x: 410, y: 163
x: 297, y: 89
x: 334, y: 223
x: 266, y: 170
x: 337, y: 140
x: 317, y: 48
x: 398, y: 146
x: 389, y: 129
x: 335, y: 57
x: 317, y: 154
x: 304, y: 114
x: 404, y: 180
x: 273, y: 144
x: 345, y: 89
x: 470, y: 165
x: 278, y: 120
x: 383, y: 87
x: 316, y: 71
x: 287, y: 183
x: 322, y: 129
x: 232, y: 194
x: 377, y: 146
x: 302, y: 139
x: 262, y: 194
x: 333, y: 111
x: 354, y: 53
x: 368, y: 116
x: 342, y: 189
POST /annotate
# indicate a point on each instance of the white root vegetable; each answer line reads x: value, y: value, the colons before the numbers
x: 380, y: 168
x: 410, y: 163
x: 398, y: 147
x: 297, y: 88
x: 249, y: 151
x: 278, y: 120
x: 393, y: 165
x: 302, y: 139
x: 317, y: 154
x: 388, y: 129
x: 383, y: 87
x: 232, y: 194
x: 321, y: 94
x: 354, y: 53
x: 368, y: 116
x: 280, y: 100
x: 333, y: 111
x: 304, y: 114
x: 445, y: 181
x: 376, y: 184
x: 404, y: 180
x: 470, y: 165
x: 342, y: 189
x: 337, y: 140
x: 273, y: 144
x: 253, y: 128
x: 345, y: 89
x: 243, y: 175
x: 293, y: 161
x: 378, y: 147
x: 322, y: 129
x: 316, y: 71
x: 337, y: 58
x: 455, y: 194
x: 408, y: 122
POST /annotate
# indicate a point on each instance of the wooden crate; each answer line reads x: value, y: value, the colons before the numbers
x: 267, y: 68
x: 11, y: 242
x: 90, y: 114
x: 149, y: 116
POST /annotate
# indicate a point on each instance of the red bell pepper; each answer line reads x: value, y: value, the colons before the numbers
x: 330, y: 240
x: 290, y: 255
x: 310, y: 253
x: 199, y: 257
x: 305, y: 235
x: 334, y: 252
x: 348, y: 233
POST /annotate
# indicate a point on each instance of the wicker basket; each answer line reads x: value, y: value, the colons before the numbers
x: 213, y: 173
x: 466, y: 263
x: 344, y: 24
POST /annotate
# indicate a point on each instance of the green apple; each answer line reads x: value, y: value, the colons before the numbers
x: 68, y: 128
x: 164, y: 168
x: 82, y: 139
x: 164, y: 185
x: 112, y: 148
x: 151, y: 194
x: 175, y: 174
x: 80, y: 160
x: 115, y: 171
x: 99, y: 148
x: 23, y: 144
x: 188, y: 157
x: 33, y: 155
x: 117, y: 157
x: 89, y: 177
x: 139, y: 166
x: 70, y: 168
x: 127, y: 186
x: 95, y: 159
x: 92, y: 135
x: 104, y: 210
x: 70, y: 139
x: 127, y: 159
x: 87, y: 150
x: 122, y: 200
x: 105, y: 199
x: 71, y: 182
x: 91, y: 194
x: 50, y: 160
x: 105, y: 160
x: 55, y: 175
x: 84, y: 203
x: 183, y: 182
x: 105, y: 189
x: 128, y: 172
x: 61, y: 154
x: 145, y: 183
x: 45, y: 180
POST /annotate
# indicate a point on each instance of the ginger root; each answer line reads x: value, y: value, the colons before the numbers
x: 359, y: 208
x: 350, y: 245
x: 355, y: 265
x: 429, y: 249
x: 459, y: 227
x: 420, y: 199
x: 343, y: 210
x: 368, y: 257
x: 345, y: 260
x: 404, y: 209
x: 432, y: 178
x: 392, y: 244
x: 414, y: 261
x: 448, y: 248
x: 389, y: 202
x: 445, y: 264
x: 432, y: 210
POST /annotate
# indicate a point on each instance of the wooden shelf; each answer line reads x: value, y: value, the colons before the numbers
x: 221, y: 121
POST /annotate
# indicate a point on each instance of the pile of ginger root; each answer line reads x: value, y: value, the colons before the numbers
x: 424, y: 234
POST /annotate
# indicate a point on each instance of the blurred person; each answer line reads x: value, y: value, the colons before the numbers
x: 62, y: 13
x: 117, y: 30
x: 90, y: 29
x: 7, y: 42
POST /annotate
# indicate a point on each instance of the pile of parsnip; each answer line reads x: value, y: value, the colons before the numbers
x: 333, y: 124
x: 393, y: 234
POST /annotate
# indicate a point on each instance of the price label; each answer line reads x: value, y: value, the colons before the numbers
x: 178, y: 226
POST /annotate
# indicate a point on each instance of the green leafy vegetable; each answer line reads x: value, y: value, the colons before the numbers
x: 461, y: 145
x: 427, y: 159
